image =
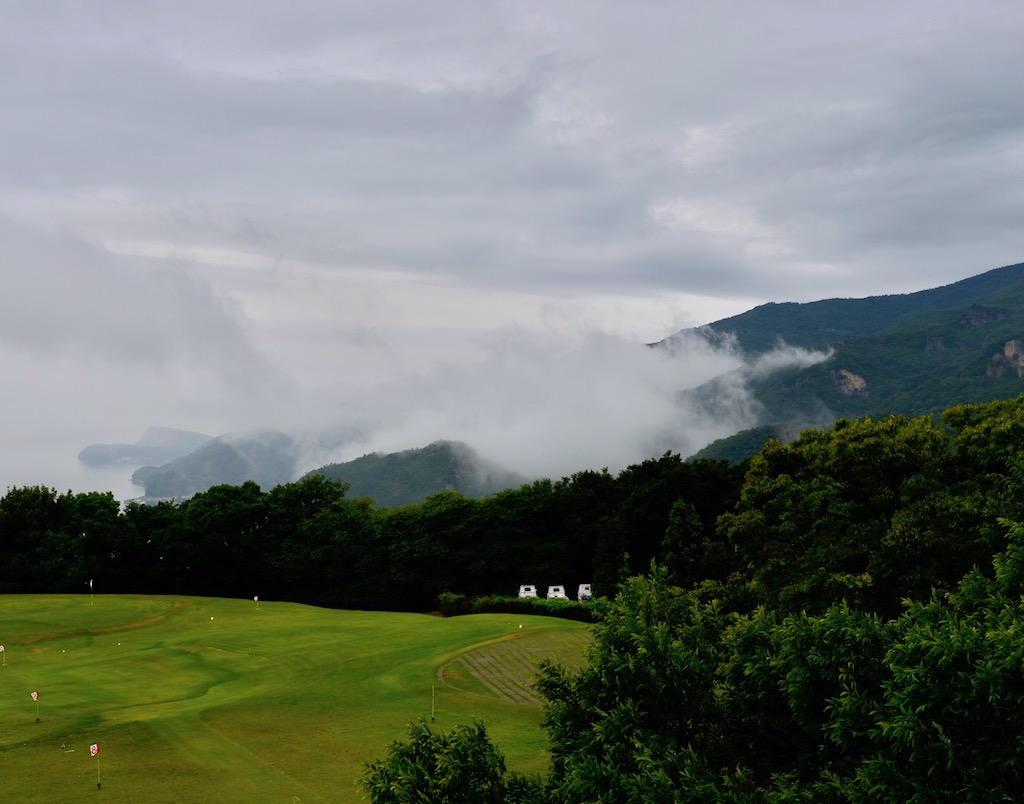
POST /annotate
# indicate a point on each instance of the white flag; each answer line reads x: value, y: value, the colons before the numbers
x: 90, y: 583
x: 254, y: 597
x: 94, y: 749
x: 1, y: 648
x: 35, y: 696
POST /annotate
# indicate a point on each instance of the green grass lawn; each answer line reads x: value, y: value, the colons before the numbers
x: 205, y: 699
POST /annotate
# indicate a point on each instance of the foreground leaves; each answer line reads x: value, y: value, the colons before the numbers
x: 461, y: 765
x: 681, y: 702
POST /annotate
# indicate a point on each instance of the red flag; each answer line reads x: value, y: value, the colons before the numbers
x: 94, y: 749
x: 35, y: 696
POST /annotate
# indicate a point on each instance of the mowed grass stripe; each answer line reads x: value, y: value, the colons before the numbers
x: 498, y: 676
x: 508, y: 668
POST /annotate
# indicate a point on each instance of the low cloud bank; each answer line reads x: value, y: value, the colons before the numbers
x: 547, y: 407
x: 97, y: 348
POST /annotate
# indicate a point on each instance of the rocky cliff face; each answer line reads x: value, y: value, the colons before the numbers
x: 1010, y: 359
x: 848, y: 383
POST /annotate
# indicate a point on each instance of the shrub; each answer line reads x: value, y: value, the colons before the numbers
x: 461, y: 765
x: 546, y: 607
x: 452, y: 604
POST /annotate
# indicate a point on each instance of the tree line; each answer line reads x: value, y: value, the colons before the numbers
x: 309, y: 542
x: 869, y: 511
x: 856, y: 636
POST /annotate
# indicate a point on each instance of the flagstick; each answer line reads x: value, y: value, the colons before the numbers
x: 431, y: 703
x: 97, y: 771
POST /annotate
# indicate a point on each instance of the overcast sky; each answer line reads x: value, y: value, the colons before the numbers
x: 456, y: 219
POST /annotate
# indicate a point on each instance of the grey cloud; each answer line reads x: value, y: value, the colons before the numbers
x: 133, y: 123
x: 501, y: 156
x: 61, y: 296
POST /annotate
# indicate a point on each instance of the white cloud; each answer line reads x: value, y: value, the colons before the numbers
x: 547, y: 406
x: 785, y: 356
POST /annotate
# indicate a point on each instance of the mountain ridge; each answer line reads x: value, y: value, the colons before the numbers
x: 913, y: 354
x: 827, y: 322
x: 409, y: 476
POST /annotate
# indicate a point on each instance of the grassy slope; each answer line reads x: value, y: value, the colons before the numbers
x: 278, y: 703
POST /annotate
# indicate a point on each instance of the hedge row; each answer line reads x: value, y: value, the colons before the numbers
x: 451, y: 604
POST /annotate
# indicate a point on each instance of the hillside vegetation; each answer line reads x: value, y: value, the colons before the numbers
x: 914, y: 354
x: 403, y: 478
x: 819, y: 324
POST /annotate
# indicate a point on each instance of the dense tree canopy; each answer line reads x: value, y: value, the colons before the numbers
x: 868, y: 512
x: 681, y: 701
x: 310, y: 542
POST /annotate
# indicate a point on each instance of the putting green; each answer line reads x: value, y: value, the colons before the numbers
x: 205, y: 699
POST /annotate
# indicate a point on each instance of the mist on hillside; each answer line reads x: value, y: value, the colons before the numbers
x: 544, y: 401
x: 541, y: 405
x: 544, y: 407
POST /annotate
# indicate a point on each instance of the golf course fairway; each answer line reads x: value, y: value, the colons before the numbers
x: 210, y: 699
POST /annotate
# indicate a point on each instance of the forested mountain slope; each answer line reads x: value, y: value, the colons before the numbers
x: 914, y: 354
x: 830, y: 322
x: 401, y: 478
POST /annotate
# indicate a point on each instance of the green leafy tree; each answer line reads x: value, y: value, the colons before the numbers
x: 517, y: 540
x: 585, y: 532
x: 461, y: 765
x: 690, y: 552
x: 29, y: 516
x: 988, y: 435
x: 90, y: 546
x: 212, y: 546
x: 430, y: 547
x: 640, y: 721
x: 949, y: 725
x: 820, y: 519
x: 313, y: 534
x: 154, y: 532
x: 647, y: 491
x: 682, y: 703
